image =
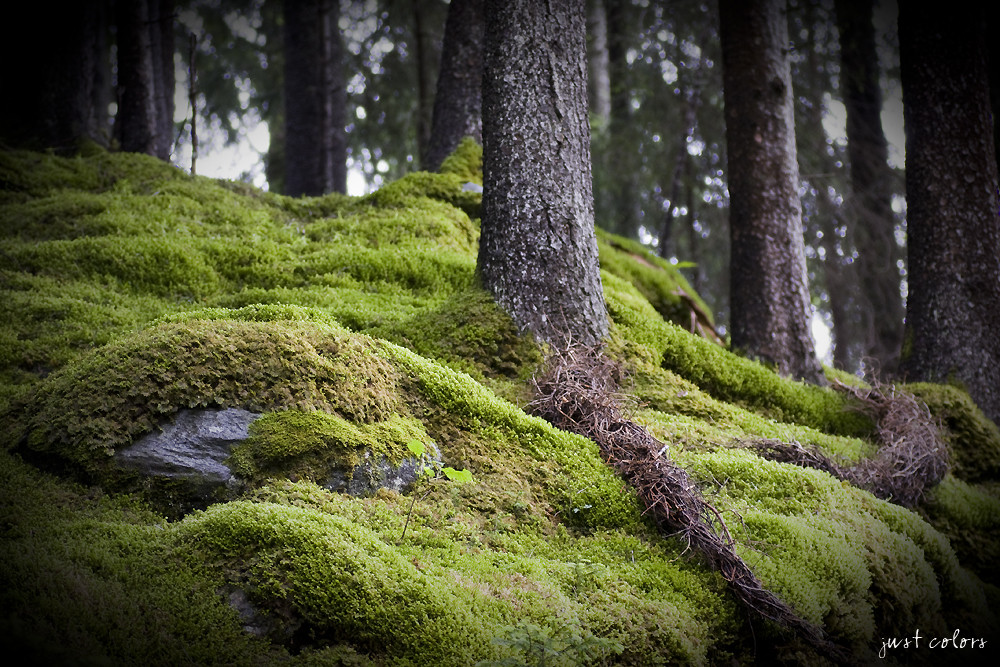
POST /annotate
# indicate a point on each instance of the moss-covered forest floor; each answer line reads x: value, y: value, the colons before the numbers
x: 130, y: 290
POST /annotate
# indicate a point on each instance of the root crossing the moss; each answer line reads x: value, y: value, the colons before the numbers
x: 911, y: 458
x: 579, y: 392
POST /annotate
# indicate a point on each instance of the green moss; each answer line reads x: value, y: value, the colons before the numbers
x: 974, y: 439
x: 659, y: 282
x: 132, y: 290
x: 970, y: 516
x: 306, y: 443
x: 115, y: 394
x: 466, y: 162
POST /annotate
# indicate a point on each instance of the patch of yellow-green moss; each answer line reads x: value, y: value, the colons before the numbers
x: 117, y: 393
x: 659, y: 282
x: 466, y: 161
x: 263, y: 306
x: 974, y: 440
x: 307, y: 444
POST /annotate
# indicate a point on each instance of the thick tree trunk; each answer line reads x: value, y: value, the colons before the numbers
x: 768, y: 287
x: 458, y: 101
x: 137, y: 122
x: 538, y: 251
x: 953, y: 308
x: 315, y: 99
x: 871, y: 181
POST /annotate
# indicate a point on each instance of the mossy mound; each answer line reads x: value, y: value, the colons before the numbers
x: 132, y: 291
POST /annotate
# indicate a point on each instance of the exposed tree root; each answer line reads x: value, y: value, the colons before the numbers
x: 912, y: 456
x: 579, y: 392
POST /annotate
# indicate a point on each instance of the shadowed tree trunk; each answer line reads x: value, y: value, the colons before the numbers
x: 137, y: 125
x: 538, y: 251
x: 55, y: 81
x: 161, y: 37
x: 315, y: 99
x: 953, y: 308
x: 871, y: 181
x: 768, y: 287
x: 458, y: 100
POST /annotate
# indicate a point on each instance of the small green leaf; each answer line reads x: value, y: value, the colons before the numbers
x: 416, y: 447
x: 459, y: 476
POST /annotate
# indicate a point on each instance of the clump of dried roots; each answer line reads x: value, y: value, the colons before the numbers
x: 911, y: 458
x: 579, y: 392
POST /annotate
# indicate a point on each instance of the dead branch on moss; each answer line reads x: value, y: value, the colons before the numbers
x: 579, y: 393
x: 911, y: 457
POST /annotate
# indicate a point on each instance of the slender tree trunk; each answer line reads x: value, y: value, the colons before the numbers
x: 137, y: 123
x: 599, y: 88
x: 458, y: 101
x: 621, y: 134
x: 425, y: 81
x: 538, y: 251
x: 768, y: 287
x: 953, y: 308
x: 871, y: 182
x: 160, y: 25
x: 315, y: 99
x: 335, y: 102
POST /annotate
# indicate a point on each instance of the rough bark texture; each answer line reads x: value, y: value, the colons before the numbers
x: 315, y: 99
x: 137, y: 124
x: 953, y: 309
x: 458, y: 100
x: 538, y: 251
x: 768, y: 289
x: 871, y: 182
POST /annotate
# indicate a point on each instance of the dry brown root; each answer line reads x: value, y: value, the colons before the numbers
x: 911, y: 457
x: 580, y: 393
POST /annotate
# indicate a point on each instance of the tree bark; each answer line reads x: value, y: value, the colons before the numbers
x: 953, y: 308
x: 599, y: 83
x: 315, y: 99
x: 160, y: 26
x: 458, y: 100
x: 538, y: 250
x: 871, y: 182
x: 137, y: 122
x: 622, y: 138
x: 768, y: 287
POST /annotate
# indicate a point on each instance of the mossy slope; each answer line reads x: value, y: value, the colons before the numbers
x: 131, y: 290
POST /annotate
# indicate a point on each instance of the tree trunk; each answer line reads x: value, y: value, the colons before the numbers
x: 458, y: 100
x: 315, y: 99
x: 161, y: 31
x: 620, y: 128
x: 871, y: 181
x: 137, y: 122
x: 538, y: 251
x: 953, y: 308
x: 425, y: 81
x: 599, y: 83
x: 768, y: 287
x: 52, y: 55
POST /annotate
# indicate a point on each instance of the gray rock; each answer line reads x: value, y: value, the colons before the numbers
x: 193, y: 447
x: 368, y: 476
x: 472, y: 187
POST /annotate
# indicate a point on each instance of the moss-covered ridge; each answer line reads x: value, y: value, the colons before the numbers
x: 357, y: 322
